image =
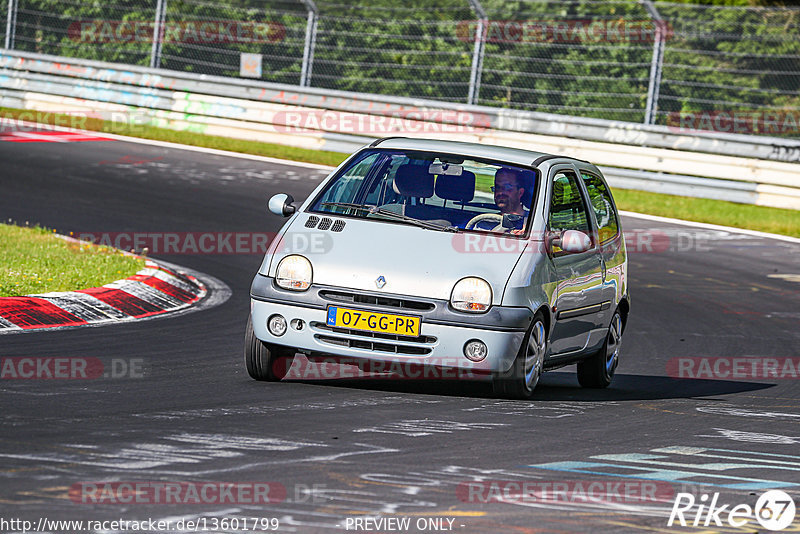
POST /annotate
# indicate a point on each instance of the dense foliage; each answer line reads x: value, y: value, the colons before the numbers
x: 723, y: 55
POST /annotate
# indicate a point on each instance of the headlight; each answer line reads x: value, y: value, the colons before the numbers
x: 294, y: 272
x: 471, y: 295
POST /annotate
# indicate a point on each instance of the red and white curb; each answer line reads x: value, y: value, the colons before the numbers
x: 155, y: 290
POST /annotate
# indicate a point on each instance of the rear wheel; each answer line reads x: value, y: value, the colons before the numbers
x: 597, y: 371
x: 265, y: 361
x: 520, y: 381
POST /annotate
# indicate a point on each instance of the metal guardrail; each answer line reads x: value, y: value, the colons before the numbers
x: 739, y: 168
x: 761, y: 147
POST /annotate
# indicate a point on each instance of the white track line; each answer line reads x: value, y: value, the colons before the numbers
x: 216, y: 152
x: 179, y: 146
x: 710, y: 226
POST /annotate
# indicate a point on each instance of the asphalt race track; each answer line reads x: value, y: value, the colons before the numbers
x: 346, y: 449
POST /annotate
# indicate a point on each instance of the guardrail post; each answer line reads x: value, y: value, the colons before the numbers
x: 654, y: 86
x: 11, y: 24
x: 477, y: 52
x: 158, y: 34
x: 310, y: 43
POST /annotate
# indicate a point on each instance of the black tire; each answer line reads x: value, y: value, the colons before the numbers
x: 265, y: 361
x: 520, y: 381
x: 597, y: 371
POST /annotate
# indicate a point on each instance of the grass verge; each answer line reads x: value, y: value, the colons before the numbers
x: 761, y: 218
x: 33, y: 260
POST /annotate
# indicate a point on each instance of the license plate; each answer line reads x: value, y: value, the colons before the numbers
x: 385, y: 323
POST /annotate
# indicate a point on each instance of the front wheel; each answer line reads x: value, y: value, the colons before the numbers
x: 597, y: 371
x: 520, y: 381
x: 265, y: 361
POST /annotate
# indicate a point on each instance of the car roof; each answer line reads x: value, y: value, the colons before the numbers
x: 517, y: 156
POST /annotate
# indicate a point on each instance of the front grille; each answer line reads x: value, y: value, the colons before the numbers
x: 377, y: 335
x: 391, y: 348
x: 390, y: 302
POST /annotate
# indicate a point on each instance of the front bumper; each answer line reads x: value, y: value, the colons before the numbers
x: 444, y: 332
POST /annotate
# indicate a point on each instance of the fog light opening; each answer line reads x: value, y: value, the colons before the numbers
x: 475, y: 350
x: 276, y: 325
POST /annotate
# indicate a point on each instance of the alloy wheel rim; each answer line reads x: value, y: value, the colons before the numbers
x: 614, y: 339
x: 535, y: 354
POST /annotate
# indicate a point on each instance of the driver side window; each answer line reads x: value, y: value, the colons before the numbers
x: 567, y: 206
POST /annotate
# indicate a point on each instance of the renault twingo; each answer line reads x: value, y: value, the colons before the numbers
x: 498, y: 261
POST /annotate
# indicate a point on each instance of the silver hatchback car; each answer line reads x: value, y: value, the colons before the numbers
x: 494, y: 263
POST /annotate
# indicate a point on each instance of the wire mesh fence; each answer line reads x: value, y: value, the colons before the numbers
x: 3, y: 20
x: 572, y: 57
x: 412, y: 50
x: 89, y: 30
x: 605, y: 59
x: 209, y: 37
x: 732, y: 59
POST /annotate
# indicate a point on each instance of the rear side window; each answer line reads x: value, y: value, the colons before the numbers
x: 567, y: 208
x: 600, y: 199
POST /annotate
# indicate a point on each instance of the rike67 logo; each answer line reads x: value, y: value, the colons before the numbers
x: 774, y: 511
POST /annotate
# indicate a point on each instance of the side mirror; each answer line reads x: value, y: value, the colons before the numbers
x: 573, y: 241
x: 281, y: 204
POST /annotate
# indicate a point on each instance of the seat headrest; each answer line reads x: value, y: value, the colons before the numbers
x: 528, y: 179
x: 458, y: 188
x: 413, y: 181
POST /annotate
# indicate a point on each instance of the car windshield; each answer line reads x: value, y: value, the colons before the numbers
x: 437, y: 191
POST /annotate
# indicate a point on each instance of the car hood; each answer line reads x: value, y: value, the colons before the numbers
x: 414, y: 261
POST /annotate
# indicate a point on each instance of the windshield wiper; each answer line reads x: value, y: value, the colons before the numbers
x: 398, y: 216
x: 412, y: 220
x: 361, y: 207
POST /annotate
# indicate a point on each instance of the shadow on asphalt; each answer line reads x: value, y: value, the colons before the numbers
x: 561, y: 386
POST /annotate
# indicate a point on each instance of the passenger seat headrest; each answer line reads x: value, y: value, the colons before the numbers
x: 458, y: 188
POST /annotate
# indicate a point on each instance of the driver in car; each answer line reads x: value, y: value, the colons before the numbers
x: 509, y: 188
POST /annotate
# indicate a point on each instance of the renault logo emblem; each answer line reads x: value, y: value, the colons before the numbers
x: 380, y: 282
